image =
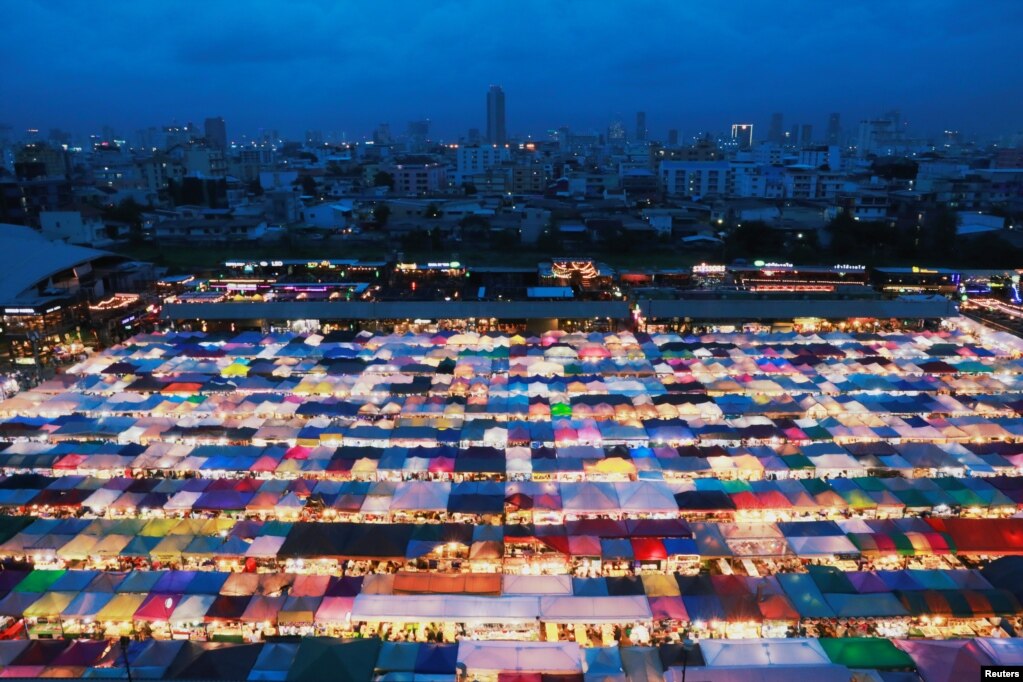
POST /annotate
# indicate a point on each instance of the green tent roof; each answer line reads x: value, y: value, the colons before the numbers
x: 321, y: 658
x: 39, y: 581
x: 866, y: 652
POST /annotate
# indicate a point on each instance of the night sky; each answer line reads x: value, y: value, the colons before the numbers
x: 346, y: 66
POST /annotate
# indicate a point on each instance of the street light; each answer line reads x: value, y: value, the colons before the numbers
x: 125, y: 640
x: 687, y: 646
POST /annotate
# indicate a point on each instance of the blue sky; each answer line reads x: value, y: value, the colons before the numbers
x: 346, y: 66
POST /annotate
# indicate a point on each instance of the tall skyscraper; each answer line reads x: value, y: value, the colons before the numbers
x: 495, y: 116
x: 834, y: 129
x: 806, y: 134
x: 742, y: 135
x: 673, y: 137
x: 382, y: 134
x: 216, y: 133
x: 616, y: 131
x: 776, y: 133
x: 418, y: 135
x: 640, y: 126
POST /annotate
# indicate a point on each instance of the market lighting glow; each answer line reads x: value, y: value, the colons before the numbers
x: 590, y: 468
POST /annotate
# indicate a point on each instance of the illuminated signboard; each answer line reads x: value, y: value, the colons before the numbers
x: 586, y: 269
x: 856, y: 268
x: 453, y: 265
x: 19, y: 311
x: 707, y: 269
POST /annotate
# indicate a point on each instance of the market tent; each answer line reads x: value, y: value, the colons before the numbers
x: 350, y: 660
x: 212, y: 662
x: 805, y: 596
x: 274, y: 661
x: 153, y: 657
x: 866, y: 652
x: 947, y: 660
x: 602, y: 661
x: 642, y: 664
x: 775, y: 673
x: 86, y: 604
x: 397, y: 657
x: 564, y: 609
x: 762, y: 652
x: 877, y: 605
x: 436, y: 659
x: 536, y: 584
x: 192, y: 608
x: 498, y: 656
x: 1002, y: 651
x: 444, y: 608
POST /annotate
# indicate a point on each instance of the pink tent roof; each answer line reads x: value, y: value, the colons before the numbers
x: 155, y: 607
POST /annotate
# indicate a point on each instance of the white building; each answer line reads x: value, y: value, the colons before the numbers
x: 695, y: 178
x: 76, y: 227
x: 471, y: 160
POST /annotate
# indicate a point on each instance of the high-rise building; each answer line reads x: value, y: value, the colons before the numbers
x: 382, y: 134
x: 742, y: 135
x: 616, y: 131
x: 834, y: 129
x: 640, y: 126
x: 883, y: 136
x: 418, y: 135
x: 776, y: 133
x: 806, y: 134
x: 673, y: 137
x: 216, y: 133
x: 495, y: 116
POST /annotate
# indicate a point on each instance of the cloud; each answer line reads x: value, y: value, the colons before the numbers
x: 323, y: 64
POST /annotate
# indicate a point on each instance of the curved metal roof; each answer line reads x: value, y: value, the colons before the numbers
x: 27, y: 257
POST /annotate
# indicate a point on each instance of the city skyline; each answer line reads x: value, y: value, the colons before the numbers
x: 316, y: 66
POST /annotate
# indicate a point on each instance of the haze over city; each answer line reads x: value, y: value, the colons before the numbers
x: 346, y: 67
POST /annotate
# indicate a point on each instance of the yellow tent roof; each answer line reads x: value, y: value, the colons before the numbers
x: 121, y: 608
x: 659, y: 585
x: 49, y: 605
x: 158, y: 528
x: 612, y: 465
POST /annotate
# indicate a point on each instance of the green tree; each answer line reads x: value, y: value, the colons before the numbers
x: 309, y: 186
x: 381, y: 212
x: 128, y: 211
x: 940, y: 228
x: 432, y: 211
x: 753, y: 239
x: 383, y: 179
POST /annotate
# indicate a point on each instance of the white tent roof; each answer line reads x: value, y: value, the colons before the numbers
x: 594, y: 609
x: 588, y: 496
x: 774, y: 673
x: 421, y: 496
x: 762, y: 652
x: 520, y: 656
x: 537, y: 584
x: 444, y: 608
x: 646, y: 496
x: 826, y: 545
